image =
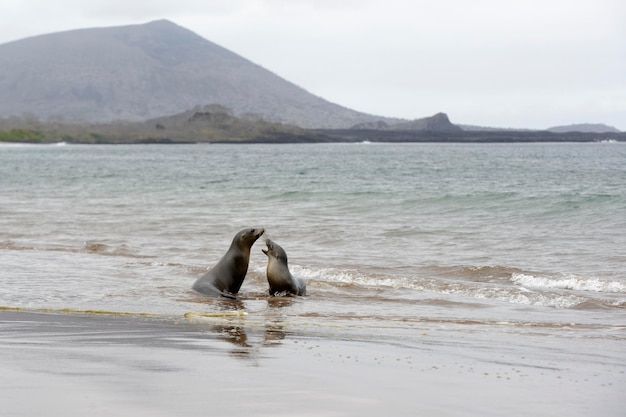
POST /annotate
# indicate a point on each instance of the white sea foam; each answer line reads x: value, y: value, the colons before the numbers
x: 569, y: 283
x: 333, y: 275
x: 537, y: 298
x: 479, y: 291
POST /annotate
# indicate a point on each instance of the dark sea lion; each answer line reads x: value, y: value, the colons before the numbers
x: 226, y: 277
x: 280, y: 279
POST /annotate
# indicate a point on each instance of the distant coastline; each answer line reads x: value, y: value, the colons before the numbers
x: 218, y: 124
x: 495, y: 136
x: 346, y: 136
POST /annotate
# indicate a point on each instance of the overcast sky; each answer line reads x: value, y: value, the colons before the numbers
x: 502, y: 63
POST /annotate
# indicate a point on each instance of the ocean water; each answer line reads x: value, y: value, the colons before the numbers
x: 443, y: 279
x: 533, y: 235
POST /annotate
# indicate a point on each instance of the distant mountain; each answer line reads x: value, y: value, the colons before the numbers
x: 140, y: 72
x: 584, y: 128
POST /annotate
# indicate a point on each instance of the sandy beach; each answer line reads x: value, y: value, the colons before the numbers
x: 99, y: 365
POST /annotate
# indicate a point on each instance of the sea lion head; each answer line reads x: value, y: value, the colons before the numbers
x: 274, y: 251
x: 247, y: 237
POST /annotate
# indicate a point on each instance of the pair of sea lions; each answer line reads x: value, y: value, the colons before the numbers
x: 226, y: 277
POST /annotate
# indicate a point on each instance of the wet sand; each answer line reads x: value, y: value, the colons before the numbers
x: 103, y: 365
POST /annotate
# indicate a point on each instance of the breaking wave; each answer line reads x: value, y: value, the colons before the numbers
x: 499, y: 284
x: 569, y: 283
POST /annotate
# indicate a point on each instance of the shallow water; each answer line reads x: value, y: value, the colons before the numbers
x: 487, y: 232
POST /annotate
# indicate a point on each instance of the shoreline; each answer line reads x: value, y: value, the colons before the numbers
x: 104, y: 364
x: 360, y: 136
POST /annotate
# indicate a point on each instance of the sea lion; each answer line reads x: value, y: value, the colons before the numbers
x: 226, y: 277
x: 278, y: 275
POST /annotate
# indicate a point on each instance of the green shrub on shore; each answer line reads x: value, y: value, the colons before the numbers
x: 21, y: 135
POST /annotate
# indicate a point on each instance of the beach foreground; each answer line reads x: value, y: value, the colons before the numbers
x: 100, y: 364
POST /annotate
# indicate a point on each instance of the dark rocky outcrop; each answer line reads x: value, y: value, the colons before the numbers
x: 437, y: 123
